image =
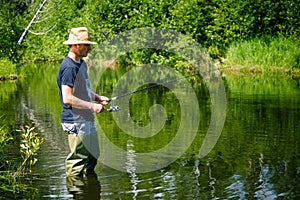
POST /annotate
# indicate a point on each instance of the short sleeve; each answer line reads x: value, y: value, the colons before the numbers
x: 68, y: 76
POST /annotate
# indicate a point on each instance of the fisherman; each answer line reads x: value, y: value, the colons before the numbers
x: 77, y: 117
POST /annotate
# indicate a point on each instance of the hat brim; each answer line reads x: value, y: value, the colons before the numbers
x: 69, y: 42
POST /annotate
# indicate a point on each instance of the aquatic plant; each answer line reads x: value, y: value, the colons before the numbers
x: 29, y: 145
x: 5, y: 137
x: 11, y: 186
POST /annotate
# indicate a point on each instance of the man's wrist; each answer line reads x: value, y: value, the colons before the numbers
x: 92, y: 107
x: 97, y: 97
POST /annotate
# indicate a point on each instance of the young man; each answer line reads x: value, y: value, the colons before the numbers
x: 77, y: 116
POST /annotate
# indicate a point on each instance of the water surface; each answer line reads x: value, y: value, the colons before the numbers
x: 256, y: 156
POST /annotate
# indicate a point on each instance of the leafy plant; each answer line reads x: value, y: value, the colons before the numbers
x: 7, y: 68
x: 5, y: 137
x: 30, y: 144
x: 267, y: 52
x: 213, y: 24
x: 10, y: 185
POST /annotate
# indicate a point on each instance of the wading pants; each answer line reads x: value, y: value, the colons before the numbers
x: 84, y: 148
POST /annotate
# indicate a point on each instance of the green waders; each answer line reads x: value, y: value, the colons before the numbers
x: 84, y: 148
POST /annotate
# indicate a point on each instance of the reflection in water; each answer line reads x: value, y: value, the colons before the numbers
x: 196, y: 171
x: 169, y: 182
x: 87, y: 187
x: 237, y: 189
x: 265, y: 190
x: 131, y: 168
x: 259, y: 145
x: 212, y: 182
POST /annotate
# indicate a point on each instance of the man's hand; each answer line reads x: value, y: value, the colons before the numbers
x: 103, y: 100
x: 97, y: 108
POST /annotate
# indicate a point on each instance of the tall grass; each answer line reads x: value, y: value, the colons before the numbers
x: 266, y: 53
x: 7, y: 67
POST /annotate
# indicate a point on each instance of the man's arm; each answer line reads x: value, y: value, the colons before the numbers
x: 70, y: 99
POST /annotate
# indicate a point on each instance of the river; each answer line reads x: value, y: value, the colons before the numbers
x: 256, y: 155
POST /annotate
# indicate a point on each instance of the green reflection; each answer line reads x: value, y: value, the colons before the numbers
x: 257, y: 153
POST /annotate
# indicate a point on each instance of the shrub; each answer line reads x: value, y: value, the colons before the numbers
x: 267, y: 52
x: 7, y: 67
x: 29, y: 146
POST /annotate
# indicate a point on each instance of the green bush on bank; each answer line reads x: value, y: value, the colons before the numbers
x: 265, y: 52
x: 213, y: 24
x: 8, y: 69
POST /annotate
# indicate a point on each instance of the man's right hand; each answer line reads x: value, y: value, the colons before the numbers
x: 98, y: 108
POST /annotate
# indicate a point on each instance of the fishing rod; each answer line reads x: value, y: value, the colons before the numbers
x: 160, y: 84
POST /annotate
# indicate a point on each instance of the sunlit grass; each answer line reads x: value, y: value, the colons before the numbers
x: 266, y: 53
x: 8, y: 70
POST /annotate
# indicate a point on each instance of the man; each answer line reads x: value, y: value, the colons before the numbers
x: 77, y: 116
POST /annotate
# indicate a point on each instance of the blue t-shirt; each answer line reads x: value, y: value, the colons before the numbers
x: 75, y: 75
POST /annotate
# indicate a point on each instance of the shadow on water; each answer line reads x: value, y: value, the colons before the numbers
x: 256, y: 157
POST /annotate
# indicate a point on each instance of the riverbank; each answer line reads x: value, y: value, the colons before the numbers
x: 265, y: 55
x: 227, y: 70
x: 10, y: 77
x: 8, y: 70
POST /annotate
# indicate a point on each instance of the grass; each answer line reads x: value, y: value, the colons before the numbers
x: 8, y: 70
x: 265, y: 55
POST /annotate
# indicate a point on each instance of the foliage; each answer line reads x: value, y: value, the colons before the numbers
x: 11, y: 13
x: 5, y: 137
x: 265, y: 52
x: 29, y: 146
x: 213, y: 24
x: 7, y: 68
x: 10, y: 186
x: 219, y: 26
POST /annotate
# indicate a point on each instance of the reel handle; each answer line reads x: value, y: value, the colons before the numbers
x: 113, y: 109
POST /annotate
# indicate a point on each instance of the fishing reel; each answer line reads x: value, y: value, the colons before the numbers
x: 114, y: 109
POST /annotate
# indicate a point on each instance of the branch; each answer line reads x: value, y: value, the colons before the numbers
x: 43, y: 32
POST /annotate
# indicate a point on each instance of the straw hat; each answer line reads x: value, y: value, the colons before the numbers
x: 79, y: 35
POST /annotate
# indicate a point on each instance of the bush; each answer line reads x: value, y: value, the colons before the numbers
x: 7, y: 68
x: 30, y: 144
x: 213, y: 24
x: 267, y: 52
x: 5, y: 137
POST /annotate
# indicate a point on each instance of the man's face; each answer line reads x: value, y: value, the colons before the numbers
x: 83, y: 49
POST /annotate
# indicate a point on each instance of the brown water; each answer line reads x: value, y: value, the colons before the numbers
x: 256, y: 157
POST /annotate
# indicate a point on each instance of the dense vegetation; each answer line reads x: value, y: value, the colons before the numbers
x: 214, y: 24
x: 15, y: 163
